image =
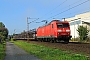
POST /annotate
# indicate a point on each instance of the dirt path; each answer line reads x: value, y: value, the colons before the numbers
x: 13, y: 52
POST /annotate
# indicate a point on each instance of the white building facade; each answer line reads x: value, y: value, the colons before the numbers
x: 81, y: 19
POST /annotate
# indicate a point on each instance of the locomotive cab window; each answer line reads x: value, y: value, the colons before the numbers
x: 62, y: 25
x: 52, y: 26
x: 59, y: 25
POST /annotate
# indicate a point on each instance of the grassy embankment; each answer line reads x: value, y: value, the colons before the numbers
x: 2, y: 51
x: 45, y: 53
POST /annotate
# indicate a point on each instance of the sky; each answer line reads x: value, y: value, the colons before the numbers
x: 14, y: 13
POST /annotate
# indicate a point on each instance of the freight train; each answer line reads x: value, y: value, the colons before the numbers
x: 55, y: 31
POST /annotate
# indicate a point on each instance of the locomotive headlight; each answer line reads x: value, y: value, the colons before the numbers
x: 67, y: 30
x: 59, y: 30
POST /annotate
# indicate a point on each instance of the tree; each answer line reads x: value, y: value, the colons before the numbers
x: 83, y: 32
x: 1, y: 25
x: 3, y: 31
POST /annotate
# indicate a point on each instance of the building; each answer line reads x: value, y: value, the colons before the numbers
x: 81, y: 19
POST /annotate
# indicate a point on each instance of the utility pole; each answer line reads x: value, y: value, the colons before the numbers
x: 27, y: 29
x: 14, y: 31
x: 28, y: 26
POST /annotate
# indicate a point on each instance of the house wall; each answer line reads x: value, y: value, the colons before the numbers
x: 74, y: 26
x: 78, y: 20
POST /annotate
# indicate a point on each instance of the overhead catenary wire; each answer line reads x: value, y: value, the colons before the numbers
x: 69, y: 5
x: 57, y: 7
x: 61, y: 9
x: 70, y: 8
x: 52, y: 9
x: 65, y: 10
x: 88, y: 10
x: 80, y: 12
x: 65, y: 7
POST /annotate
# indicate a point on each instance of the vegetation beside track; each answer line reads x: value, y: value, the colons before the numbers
x: 45, y: 53
x: 2, y: 51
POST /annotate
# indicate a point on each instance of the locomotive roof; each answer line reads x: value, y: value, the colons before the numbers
x: 57, y: 21
x: 54, y: 20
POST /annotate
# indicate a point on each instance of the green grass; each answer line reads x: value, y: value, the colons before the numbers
x: 2, y: 51
x: 45, y: 53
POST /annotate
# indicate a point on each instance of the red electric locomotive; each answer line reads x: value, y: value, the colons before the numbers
x: 54, y: 31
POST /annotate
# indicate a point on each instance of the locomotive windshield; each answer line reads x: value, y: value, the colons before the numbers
x: 62, y: 25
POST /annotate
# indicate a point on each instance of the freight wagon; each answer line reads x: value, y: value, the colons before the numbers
x: 55, y: 31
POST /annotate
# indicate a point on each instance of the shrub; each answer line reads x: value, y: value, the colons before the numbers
x: 83, y: 32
